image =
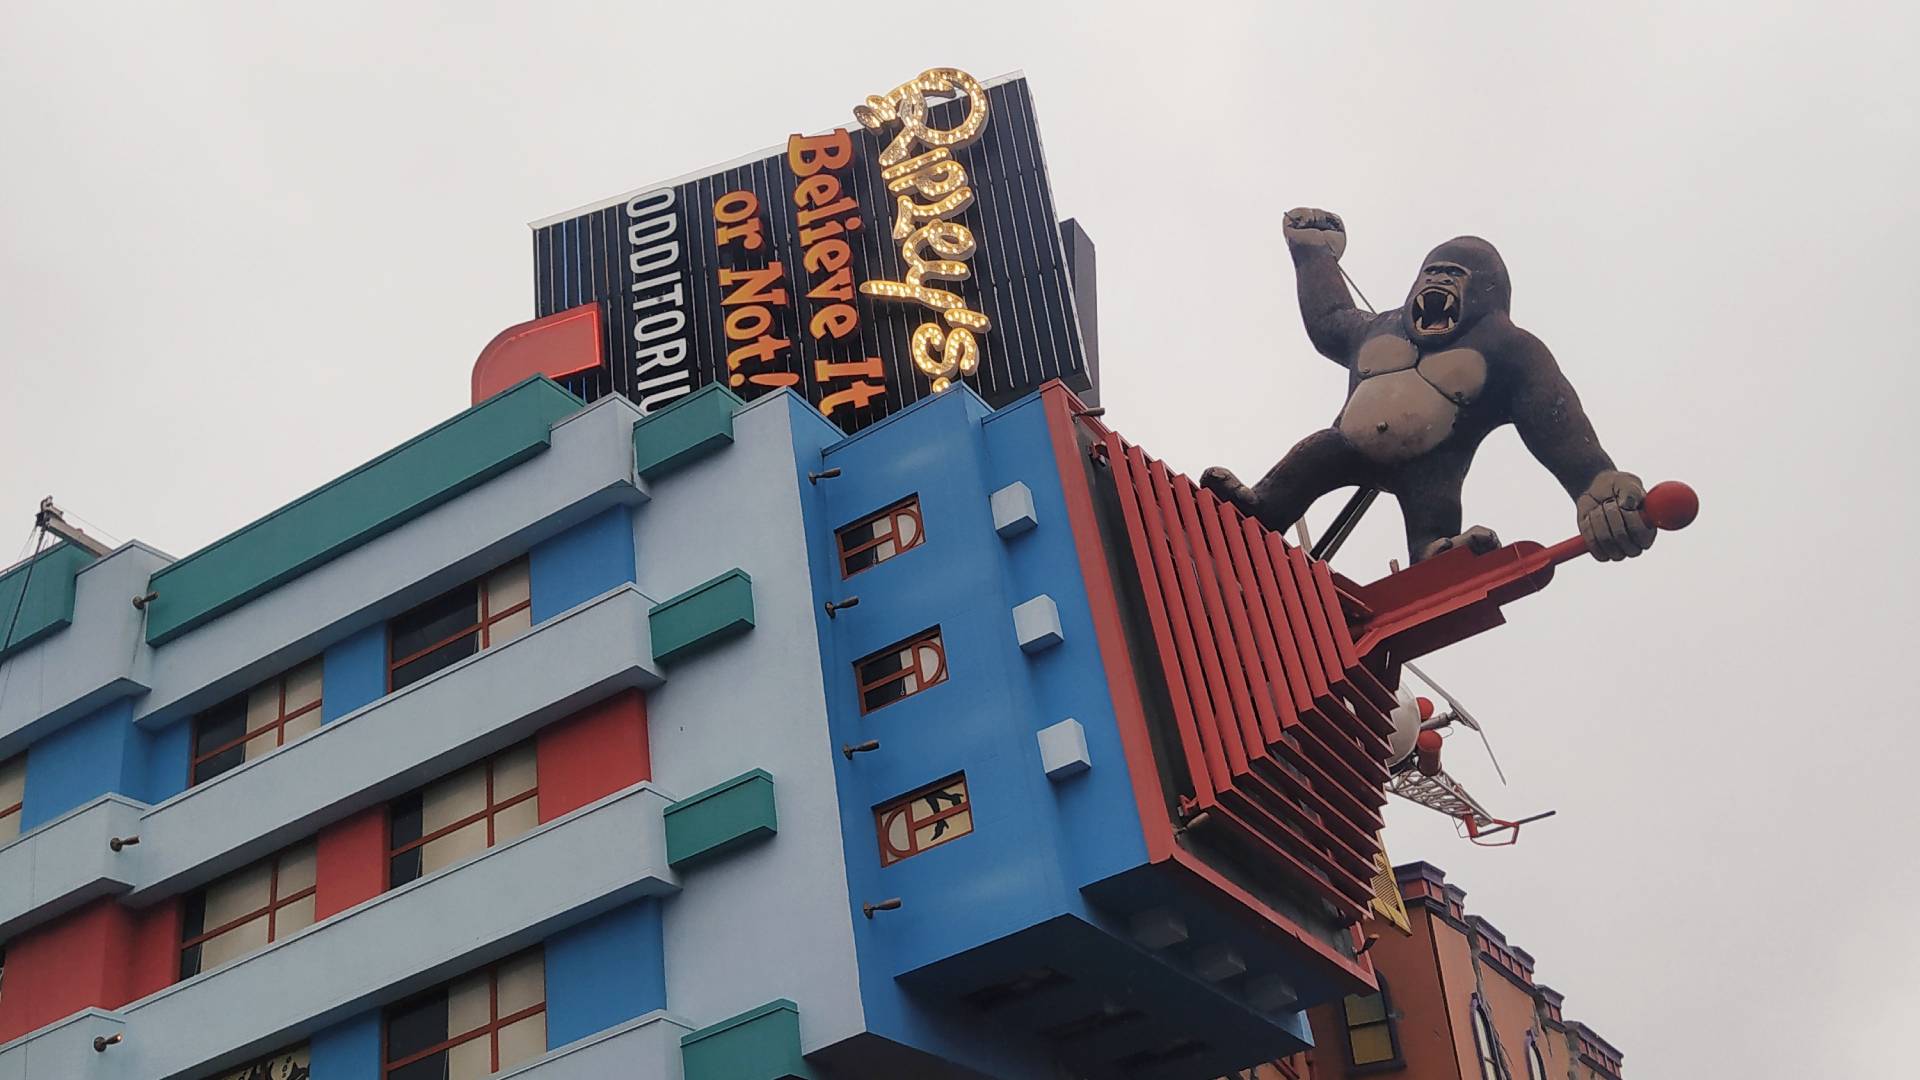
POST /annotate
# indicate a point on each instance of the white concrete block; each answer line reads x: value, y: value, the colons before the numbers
x: 1013, y: 510
x: 1063, y: 749
x: 1217, y: 962
x: 1158, y: 928
x: 1036, y: 624
x: 1271, y: 994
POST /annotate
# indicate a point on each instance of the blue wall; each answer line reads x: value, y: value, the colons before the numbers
x: 353, y: 672
x: 581, y: 563
x: 1034, y: 843
x: 603, y: 972
x: 349, y: 1050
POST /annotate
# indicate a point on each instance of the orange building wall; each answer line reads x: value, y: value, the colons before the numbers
x: 1432, y: 975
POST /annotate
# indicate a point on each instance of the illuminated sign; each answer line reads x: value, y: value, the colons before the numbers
x: 865, y: 267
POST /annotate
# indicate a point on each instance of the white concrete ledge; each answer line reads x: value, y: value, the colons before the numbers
x: 587, y: 468
x: 647, y: 1046
x: 66, y: 862
x: 402, y: 941
x: 482, y: 704
x: 76, y: 670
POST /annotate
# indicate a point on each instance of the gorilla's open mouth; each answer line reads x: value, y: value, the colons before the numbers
x: 1435, y: 310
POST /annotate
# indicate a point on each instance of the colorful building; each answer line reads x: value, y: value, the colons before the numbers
x: 1456, y: 1001
x: 678, y: 735
x: 712, y: 743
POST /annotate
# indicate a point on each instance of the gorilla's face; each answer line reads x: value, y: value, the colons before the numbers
x: 1438, y: 302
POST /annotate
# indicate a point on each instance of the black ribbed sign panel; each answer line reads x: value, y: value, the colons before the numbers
x: 679, y: 298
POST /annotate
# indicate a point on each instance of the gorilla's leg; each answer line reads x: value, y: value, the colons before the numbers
x: 1319, y: 463
x: 1429, y: 493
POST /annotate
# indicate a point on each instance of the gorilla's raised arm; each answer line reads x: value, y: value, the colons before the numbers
x: 1316, y: 238
x: 1552, y: 423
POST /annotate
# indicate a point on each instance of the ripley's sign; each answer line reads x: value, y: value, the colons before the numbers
x: 866, y: 267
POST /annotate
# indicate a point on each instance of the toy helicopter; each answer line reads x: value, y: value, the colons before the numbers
x: 1416, y: 773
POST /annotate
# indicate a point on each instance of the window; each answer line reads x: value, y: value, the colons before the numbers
x: 264, y: 718
x: 878, y: 537
x: 293, y: 1064
x: 1536, y: 1065
x: 1370, y: 1036
x: 902, y: 670
x: 242, y: 912
x: 474, y: 1026
x: 924, y: 819
x: 472, y: 810
x: 1485, y: 1044
x: 458, y: 623
x: 13, y: 790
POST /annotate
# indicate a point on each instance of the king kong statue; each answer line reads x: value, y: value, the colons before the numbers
x: 1425, y: 384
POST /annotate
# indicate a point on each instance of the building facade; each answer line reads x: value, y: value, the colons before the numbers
x: 565, y: 741
x: 1455, y: 1001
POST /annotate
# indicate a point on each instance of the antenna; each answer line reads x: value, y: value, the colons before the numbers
x: 51, y: 519
x: 1461, y: 714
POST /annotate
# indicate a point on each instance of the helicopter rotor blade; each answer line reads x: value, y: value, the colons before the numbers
x: 1465, y: 718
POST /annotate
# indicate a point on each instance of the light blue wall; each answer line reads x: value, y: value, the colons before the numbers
x: 353, y: 672
x: 605, y: 971
x: 582, y: 562
x: 349, y: 1050
x: 167, y: 758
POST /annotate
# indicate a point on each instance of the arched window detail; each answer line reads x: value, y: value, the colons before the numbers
x: 1536, y: 1065
x: 1485, y: 1044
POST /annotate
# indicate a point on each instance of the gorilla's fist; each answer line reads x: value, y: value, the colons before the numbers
x: 1305, y: 226
x: 1610, y: 517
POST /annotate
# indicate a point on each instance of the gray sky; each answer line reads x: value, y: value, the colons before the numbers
x: 242, y: 252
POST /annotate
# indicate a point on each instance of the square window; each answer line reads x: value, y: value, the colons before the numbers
x: 880, y: 536
x: 257, y: 722
x: 479, y: 1024
x: 244, y: 911
x: 901, y: 670
x: 458, y: 623
x: 13, y: 790
x: 927, y: 818
x: 461, y: 815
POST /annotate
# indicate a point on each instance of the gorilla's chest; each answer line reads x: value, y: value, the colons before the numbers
x: 1407, y: 401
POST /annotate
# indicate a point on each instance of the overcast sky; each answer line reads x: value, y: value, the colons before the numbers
x: 242, y: 252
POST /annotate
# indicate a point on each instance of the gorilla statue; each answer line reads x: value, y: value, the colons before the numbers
x: 1425, y: 384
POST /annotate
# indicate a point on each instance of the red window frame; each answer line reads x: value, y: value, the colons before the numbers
x: 14, y: 810
x: 490, y: 1030
x: 490, y: 811
x: 907, y: 507
x: 278, y: 726
x: 904, y: 804
x: 929, y: 636
x: 483, y: 625
x: 272, y: 911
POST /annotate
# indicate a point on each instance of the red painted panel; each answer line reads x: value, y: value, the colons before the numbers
x: 100, y: 956
x: 1228, y: 634
x: 351, y: 862
x: 593, y: 753
x: 153, y: 957
x: 1192, y: 710
x: 1198, y: 656
x: 564, y: 343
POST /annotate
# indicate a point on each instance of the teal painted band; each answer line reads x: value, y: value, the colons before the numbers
x: 36, y: 598
x: 690, y: 428
x: 759, y: 1044
x: 703, y: 616
x: 722, y: 818
x: 381, y: 495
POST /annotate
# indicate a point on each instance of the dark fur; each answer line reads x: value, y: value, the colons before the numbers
x: 1524, y: 387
